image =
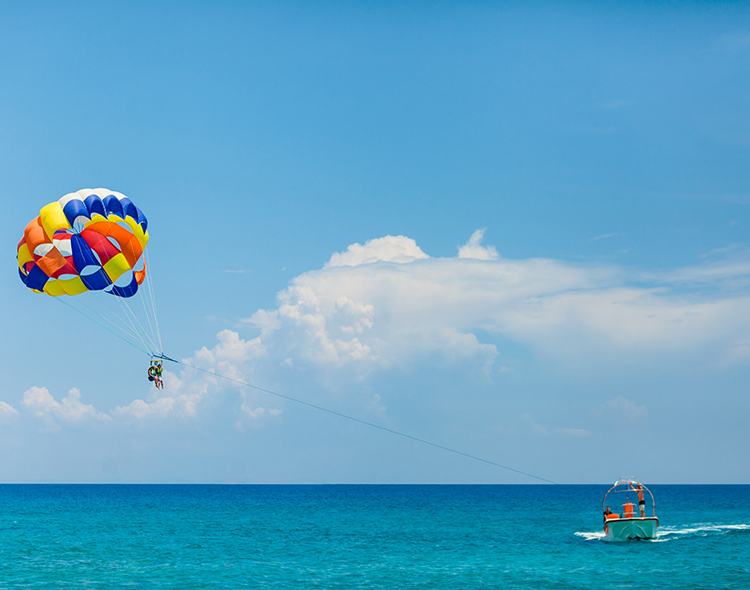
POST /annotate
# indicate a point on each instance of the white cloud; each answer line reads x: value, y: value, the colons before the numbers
x: 387, y: 304
x: 724, y: 250
x: 140, y: 409
x: 603, y: 237
x: 398, y: 249
x: 182, y: 395
x: 257, y: 412
x: 42, y: 404
x: 368, y: 314
x: 7, y: 411
x: 474, y: 249
x: 320, y: 327
x: 376, y: 406
x: 714, y: 273
x: 39, y: 401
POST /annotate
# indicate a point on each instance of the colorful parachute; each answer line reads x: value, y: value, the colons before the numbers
x: 90, y: 240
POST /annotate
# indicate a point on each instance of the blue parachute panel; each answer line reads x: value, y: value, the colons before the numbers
x: 94, y: 205
x: 127, y: 291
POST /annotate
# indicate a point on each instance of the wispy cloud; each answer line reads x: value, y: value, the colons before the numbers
x: 724, y: 250
x: 715, y: 273
x: 7, y: 411
x: 604, y: 237
x: 541, y: 430
x: 537, y: 428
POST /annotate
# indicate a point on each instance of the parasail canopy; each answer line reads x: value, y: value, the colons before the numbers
x: 93, y: 240
x: 90, y: 240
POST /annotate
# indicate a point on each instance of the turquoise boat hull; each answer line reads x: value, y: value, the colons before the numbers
x: 630, y: 529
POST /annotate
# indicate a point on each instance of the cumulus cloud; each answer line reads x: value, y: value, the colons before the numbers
x: 386, y: 304
x: 365, y: 312
x: 141, y: 409
x: 40, y: 402
x: 251, y: 410
x: 320, y: 327
x: 398, y: 249
x: 474, y: 249
x: 222, y: 366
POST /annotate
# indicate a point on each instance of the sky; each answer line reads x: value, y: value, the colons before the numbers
x: 516, y: 230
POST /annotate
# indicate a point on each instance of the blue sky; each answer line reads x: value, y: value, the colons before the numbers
x: 515, y: 229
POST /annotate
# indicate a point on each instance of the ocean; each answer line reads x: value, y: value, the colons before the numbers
x: 364, y: 536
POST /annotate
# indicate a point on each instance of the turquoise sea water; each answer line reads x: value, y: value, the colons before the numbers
x: 350, y: 536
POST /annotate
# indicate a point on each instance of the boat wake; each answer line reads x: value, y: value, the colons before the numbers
x: 673, y: 533
x: 699, y: 530
x: 591, y: 536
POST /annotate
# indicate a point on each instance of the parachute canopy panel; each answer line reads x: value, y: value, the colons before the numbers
x: 90, y: 240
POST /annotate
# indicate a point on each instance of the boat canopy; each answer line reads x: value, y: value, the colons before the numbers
x: 628, y: 485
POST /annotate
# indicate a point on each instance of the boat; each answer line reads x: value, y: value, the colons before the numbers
x: 632, y: 523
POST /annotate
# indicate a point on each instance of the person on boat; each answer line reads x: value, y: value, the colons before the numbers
x: 607, y: 513
x: 154, y: 374
x: 641, y: 500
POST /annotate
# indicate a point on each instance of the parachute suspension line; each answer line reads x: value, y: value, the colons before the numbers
x: 365, y: 422
x: 134, y: 319
x: 142, y: 297
x: 153, y: 300
x: 130, y: 330
x: 125, y: 319
x: 148, y: 318
x: 129, y: 318
x: 102, y: 325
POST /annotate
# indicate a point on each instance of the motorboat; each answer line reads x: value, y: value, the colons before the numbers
x: 629, y: 495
